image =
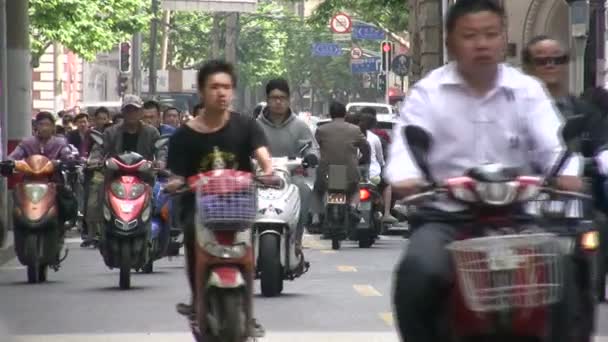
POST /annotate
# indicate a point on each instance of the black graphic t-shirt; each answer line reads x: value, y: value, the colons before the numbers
x: 232, y: 147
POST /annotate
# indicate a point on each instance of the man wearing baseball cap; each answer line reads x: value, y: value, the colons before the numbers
x: 132, y: 134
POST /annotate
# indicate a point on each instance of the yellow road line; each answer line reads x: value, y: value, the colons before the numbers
x: 367, y: 291
x: 343, y: 268
x: 328, y: 251
x: 388, y: 318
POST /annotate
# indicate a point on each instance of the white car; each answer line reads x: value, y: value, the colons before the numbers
x: 382, y: 109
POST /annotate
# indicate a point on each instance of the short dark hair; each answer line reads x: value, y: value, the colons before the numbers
x: 101, y: 110
x: 367, y: 120
x: 213, y: 67
x: 466, y: 7
x: 172, y: 108
x: 59, y: 130
x: 337, y: 110
x: 369, y: 110
x: 197, y: 108
x: 81, y: 116
x: 526, y: 52
x: 152, y: 105
x: 67, y: 118
x: 278, y: 84
x: 45, y: 116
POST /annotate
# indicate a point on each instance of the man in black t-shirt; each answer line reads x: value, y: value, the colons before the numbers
x: 215, y: 139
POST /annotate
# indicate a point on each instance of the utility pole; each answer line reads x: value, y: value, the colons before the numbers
x: 165, y: 42
x: 232, y: 23
x: 215, y: 36
x: 19, y: 77
x: 426, y: 29
x: 579, y: 25
x: 136, y: 63
x: 153, y: 41
x: 3, y: 124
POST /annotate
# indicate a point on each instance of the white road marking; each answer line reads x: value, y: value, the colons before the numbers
x: 185, y: 337
x: 367, y: 291
x: 388, y: 318
x: 344, y: 268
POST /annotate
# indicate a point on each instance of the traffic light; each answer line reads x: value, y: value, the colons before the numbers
x: 382, y: 82
x: 124, y: 58
x: 123, y: 84
x: 386, y: 48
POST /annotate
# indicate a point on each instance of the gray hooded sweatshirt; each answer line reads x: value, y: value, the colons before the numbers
x: 287, y: 138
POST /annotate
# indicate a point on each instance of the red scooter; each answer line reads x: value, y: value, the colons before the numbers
x: 509, y: 270
x: 226, y: 207
x: 127, y: 209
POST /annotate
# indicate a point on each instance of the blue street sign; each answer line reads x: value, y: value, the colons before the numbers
x: 362, y: 31
x: 364, y: 65
x: 326, y: 49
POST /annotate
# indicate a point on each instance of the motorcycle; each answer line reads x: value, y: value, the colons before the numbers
x: 337, y: 217
x: 166, y: 239
x: 509, y: 270
x: 127, y: 209
x: 370, y: 209
x: 38, y: 232
x: 226, y: 208
x: 274, y: 231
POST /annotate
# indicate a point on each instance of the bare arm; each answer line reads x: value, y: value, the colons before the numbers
x: 262, y: 156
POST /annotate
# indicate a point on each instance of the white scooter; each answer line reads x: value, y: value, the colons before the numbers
x: 275, y: 231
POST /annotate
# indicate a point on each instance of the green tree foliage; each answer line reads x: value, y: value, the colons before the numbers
x: 390, y: 15
x: 86, y: 27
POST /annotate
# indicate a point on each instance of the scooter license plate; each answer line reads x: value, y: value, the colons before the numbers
x: 365, y: 206
x: 336, y: 198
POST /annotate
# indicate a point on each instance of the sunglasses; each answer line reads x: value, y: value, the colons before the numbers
x: 544, y: 61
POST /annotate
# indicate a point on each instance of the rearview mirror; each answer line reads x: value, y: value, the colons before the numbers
x: 420, y: 144
x: 161, y: 142
x: 573, y: 127
x: 97, y: 137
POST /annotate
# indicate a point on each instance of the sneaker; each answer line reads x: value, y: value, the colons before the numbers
x: 389, y: 219
x: 185, y: 309
x: 256, y: 329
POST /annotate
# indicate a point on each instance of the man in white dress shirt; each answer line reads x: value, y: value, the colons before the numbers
x: 477, y: 110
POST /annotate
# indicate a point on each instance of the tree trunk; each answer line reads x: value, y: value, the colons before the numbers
x: 426, y: 34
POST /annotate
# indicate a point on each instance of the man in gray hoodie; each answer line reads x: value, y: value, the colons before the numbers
x: 287, y: 135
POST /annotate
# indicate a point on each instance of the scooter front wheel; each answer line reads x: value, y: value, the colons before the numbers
x: 125, y: 266
x: 228, y: 309
x: 269, y: 265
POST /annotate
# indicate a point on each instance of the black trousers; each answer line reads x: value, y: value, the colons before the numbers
x: 424, y: 276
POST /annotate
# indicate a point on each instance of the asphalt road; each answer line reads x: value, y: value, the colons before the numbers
x: 344, y: 297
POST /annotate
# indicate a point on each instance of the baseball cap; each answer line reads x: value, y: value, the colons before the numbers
x: 132, y: 100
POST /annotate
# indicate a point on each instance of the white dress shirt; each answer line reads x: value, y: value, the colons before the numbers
x: 467, y: 130
x: 377, y: 156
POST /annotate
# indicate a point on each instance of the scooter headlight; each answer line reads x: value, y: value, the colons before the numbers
x: 136, y: 190
x: 118, y: 190
x: 35, y: 192
x: 590, y: 241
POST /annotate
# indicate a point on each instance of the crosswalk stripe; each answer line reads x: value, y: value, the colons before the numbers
x: 185, y: 337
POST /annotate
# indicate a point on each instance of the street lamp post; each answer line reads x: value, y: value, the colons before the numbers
x: 579, y: 28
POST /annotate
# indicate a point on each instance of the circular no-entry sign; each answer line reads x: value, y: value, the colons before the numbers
x: 341, y: 23
x: 356, y: 53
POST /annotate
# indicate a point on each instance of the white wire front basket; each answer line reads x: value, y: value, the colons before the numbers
x: 226, y: 200
x: 510, y: 271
